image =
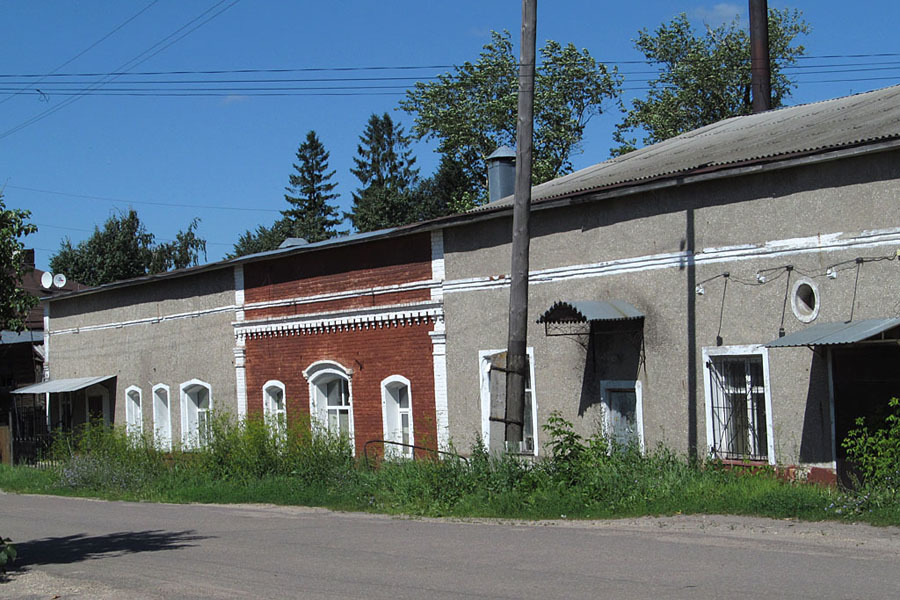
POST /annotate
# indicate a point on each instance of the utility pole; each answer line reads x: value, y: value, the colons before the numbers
x: 760, y: 75
x: 516, y: 359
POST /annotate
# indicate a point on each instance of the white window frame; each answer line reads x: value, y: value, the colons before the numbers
x: 484, y: 368
x: 328, y: 368
x: 277, y: 418
x: 387, y: 403
x: 608, y: 385
x: 134, y: 423
x: 191, y: 439
x: 162, y: 432
x: 737, y: 351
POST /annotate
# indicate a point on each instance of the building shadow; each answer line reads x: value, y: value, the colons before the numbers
x: 80, y: 547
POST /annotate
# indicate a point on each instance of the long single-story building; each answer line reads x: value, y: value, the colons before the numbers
x: 728, y: 292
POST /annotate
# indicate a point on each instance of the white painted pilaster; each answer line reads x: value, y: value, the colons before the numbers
x: 441, y: 409
x: 437, y: 264
x: 240, y: 354
x: 240, y: 378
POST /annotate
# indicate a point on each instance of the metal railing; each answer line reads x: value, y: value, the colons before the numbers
x: 434, y: 452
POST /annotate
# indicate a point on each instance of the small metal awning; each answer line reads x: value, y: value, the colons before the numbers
x: 844, y: 332
x: 55, y: 386
x: 586, y: 311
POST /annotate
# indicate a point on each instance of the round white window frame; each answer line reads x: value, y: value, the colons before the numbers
x: 799, y: 312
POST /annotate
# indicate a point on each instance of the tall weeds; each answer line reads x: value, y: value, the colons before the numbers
x: 252, y: 461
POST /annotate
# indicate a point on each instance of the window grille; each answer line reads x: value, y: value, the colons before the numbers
x: 738, y: 396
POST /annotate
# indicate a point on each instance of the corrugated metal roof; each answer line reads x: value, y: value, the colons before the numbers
x: 826, y: 334
x: 803, y: 129
x: 54, y: 386
x: 583, y: 311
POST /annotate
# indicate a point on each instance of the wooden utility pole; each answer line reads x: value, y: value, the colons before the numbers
x: 760, y: 74
x: 516, y: 358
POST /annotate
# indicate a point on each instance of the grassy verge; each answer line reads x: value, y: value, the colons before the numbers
x: 249, y: 462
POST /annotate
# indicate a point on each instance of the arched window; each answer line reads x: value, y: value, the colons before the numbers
x: 330, y: 400
x: 274, y: 404
x: 162, y: 417
x: 134, y: 422
x: 396, y: 409
x: 196, y: 404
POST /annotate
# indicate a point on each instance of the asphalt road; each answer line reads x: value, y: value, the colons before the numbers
x: 74, y: 548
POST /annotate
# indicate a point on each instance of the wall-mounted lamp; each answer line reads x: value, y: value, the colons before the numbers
x: 761, y: 278
x: 831, y: 273
x: 700, y: 290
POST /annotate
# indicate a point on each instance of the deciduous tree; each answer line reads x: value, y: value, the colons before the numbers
x: 124, y: 249
x: 471, y: 110
x: 14, y: 301
x: 705, y: 77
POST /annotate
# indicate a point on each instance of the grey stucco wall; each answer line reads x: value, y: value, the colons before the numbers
x: 171, y: 351
x: 845, y: 199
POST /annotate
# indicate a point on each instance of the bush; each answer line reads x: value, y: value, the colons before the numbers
x: 876, y: 451
x: 7, y: 553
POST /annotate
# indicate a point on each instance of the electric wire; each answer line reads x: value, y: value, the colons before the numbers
x: 85, y: 51
x: 141, y: 58
x: 142, y: 202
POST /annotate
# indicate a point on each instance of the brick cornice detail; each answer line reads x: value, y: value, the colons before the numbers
x: 399, y: 315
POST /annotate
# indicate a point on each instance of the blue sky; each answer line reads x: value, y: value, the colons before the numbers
x: 176, y: 158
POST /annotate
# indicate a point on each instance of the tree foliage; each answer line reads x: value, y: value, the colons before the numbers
x: 472, y: 110
x: 311, y: 189
x: 310, y: 214
x: 387, y: 174
x: 14, y: 301
x: 705, y: 78
x: 262, y: 239
x: 446, y: 192
x: 124, y: 249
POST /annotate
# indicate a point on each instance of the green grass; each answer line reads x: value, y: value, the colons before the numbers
x: 579, y: 479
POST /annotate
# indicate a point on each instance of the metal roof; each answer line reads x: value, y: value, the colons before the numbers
x: 583, y: 311
x: 13, y: 337
x: 54, y: 386
x: 826, y: 334
x: 763, y: 137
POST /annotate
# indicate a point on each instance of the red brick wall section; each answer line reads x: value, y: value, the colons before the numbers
x: 373, y: 355
x: 356, y: 302
x: 328, y: 270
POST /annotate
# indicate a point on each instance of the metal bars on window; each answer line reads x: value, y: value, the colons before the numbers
x: 738, y: 396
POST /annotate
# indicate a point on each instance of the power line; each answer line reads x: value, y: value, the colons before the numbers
x: 394, y: 67
x: 122, y: 201
x: 86, y: 50
x: 144, y: 56
x: 827, y: 68
x: 91, y: 231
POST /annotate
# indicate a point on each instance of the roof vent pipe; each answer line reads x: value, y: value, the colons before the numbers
x: 501, y: 173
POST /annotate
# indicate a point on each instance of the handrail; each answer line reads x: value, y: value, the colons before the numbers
x: 413, y: 446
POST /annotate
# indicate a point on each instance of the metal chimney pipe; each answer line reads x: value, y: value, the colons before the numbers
x: 760, y: 75
x: 501, y: 173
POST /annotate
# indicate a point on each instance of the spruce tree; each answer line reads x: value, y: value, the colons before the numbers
x: 385, y: 169
x: 310, y: 215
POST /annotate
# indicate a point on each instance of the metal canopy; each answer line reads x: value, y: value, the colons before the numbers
x: 827, y: 334
x: 586, y: 311
x: 55, y: 386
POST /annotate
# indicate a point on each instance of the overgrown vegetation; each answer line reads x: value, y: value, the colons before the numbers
x: 579, y: 478
x: 7, y: 554
x: 874, y: 450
